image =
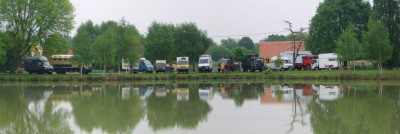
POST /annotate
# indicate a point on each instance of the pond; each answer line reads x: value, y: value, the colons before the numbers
x: 199, y: 108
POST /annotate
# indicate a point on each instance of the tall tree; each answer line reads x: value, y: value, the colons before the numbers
x: 347, y: 46
x: 377, y: 43
x: 29, y: 21
x: 129, y: 44
x: 247, y: 43
x: 275, y: 37
x: 218, y: 52
x: 83, y: 43
x: 160, y: 42
x: 332, y: 18
x: 388, y: 11
x: 297, y: 38
x: 191, y: 41
x: 55, y: 44
x: 230, y: 43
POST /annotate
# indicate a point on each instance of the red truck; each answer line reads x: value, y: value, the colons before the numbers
x: 306, y: 63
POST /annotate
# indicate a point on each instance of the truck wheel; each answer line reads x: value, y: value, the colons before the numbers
x: 282, y: 69
x: 260, y: 70
x: 308, y: 67
x: 30, y: 72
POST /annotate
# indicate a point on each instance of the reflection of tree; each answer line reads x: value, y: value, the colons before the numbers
x: 246, y: 91
x: 361, y: 111
x: 296, y: 106
x: 105, y: 109
x: 17, y: 118
x: 167, y: 112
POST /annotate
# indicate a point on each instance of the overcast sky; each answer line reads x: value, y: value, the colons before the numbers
x: 220, y: 18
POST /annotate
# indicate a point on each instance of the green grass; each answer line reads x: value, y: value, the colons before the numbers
x: 334, y: 75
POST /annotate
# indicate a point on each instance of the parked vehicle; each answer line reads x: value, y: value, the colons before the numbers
x: 182, y: 64
x: 286, y: 64
x: 162, y: 66
x: 252, y: 63
x: 38, y: 64
x: 307, y: 62
x: 222, y: 61
x: 145, y: 66
x: 299, y: 63
x: 62, y: 64
x: 325, y: 61
x: 205, y: 63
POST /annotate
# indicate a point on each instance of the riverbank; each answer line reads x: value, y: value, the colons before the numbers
x: 268, y: 75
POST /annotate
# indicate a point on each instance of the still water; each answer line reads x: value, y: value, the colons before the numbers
x: 206, y: 108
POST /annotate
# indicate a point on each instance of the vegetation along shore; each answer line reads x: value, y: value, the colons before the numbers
x: 267, y: 75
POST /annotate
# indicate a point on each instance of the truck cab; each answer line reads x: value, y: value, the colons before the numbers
x: 182, y: 64
x: 205, y: 63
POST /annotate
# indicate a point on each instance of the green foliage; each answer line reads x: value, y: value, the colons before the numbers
x: 30, y: 22
x: 388, y: 12
x: 83, y: 41
x: 377, y: 45
x: 332, y: 18
x: 190, y: 41
x: 276, y: 37
x: 107, y: 44
x: 230, y: 43
x: 238, y: 54
x: 218, y: 52
x: 247, y: 43
x: 160, y: 42
x: 3, y: 52
x: 278, y: 62
x: 55, y: 44
x: 347, y: 45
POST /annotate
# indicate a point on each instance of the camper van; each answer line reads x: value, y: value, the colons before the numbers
x: 205, y: 63
x: 38, y: 64
x: 285, y: 66
x: 326, y: 61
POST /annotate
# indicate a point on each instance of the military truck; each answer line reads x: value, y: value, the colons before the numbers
x: 63, y: 64
x: 252, y: 62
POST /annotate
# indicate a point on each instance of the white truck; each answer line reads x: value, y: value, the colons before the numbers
x: 182, y: 64
x: 299, y: 60
x: 205, y: 63
x: 326, y: 61
x: 285, y: 66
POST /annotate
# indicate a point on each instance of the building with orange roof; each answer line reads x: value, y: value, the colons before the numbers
x: 269, y: 49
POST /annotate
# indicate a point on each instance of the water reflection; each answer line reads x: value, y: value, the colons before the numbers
x: 197, y: 108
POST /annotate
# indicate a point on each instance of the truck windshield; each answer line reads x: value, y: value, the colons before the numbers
x: 203, y: 61
x: 46, y: 63
x: 182, y: 62
x: 147, y: 62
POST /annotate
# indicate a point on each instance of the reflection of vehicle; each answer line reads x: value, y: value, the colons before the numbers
x: 283, y: 92
x: 182, y: 64
x: 145, y: 91
x: 327, y: 92
x: 286, y: 64
x: 182, y: 94
x: 63, y: 64
x: 205, y: 63
x: 38, y: 64
x: 205, y: 92
x: 326, y: 61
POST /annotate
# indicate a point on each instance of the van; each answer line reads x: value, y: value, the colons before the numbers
x: 182, y: 64
x: 285, y: 66
x: 162, y: 66
x: 38, y: 64
x: 145, y: 66
x: 205, y: 63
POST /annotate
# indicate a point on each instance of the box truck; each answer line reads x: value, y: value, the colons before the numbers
x: 205, y: 63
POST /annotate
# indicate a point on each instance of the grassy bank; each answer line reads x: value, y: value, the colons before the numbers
x: 268, y: 75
